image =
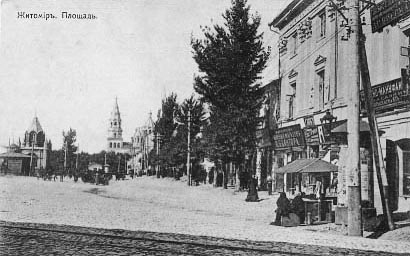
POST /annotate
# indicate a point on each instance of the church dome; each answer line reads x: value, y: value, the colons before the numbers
x: 35, y: 126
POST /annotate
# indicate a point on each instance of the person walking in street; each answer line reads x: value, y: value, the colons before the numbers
x: 252, y: 192
x: 269, y: 180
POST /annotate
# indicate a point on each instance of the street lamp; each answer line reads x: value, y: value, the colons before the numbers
x: 327, y: 121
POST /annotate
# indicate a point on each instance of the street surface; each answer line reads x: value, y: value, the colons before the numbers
x: 167, y: 207
x: 42, y: 239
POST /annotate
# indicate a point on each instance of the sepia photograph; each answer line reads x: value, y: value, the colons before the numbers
x: 205, y: 127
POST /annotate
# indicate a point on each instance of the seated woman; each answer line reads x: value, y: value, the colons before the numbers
x: 298, y: 206
x: 283, y: 208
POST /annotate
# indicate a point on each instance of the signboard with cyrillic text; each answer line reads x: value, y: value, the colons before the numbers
x: 287, y: 137
x: 388, y: 95
x: 388, y: 12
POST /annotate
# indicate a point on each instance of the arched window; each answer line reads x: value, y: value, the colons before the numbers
x: 115, y: 134
x: 115, y: 123
x: 32, y: 138
x: 115, y: 145
x: 118, y: 146
x: 110, y: 144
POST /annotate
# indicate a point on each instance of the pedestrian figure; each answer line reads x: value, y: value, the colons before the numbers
x: 282, y: 208
x: 252, y: 192
x: 269, y: 180
x: 298, y: 206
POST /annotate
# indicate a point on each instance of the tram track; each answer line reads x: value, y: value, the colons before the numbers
x: 174, y: 243
x: 150, y: 243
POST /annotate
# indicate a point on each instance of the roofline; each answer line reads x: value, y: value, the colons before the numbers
x: 294, y: 8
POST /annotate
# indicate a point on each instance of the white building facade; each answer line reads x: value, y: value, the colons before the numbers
x: 314, y: 83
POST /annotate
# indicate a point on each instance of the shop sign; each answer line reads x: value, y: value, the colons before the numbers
x: 386, y: 96
x: 388, y: 12
x: 309, y: 121
x: 287, y: 137
x: 311, y: 135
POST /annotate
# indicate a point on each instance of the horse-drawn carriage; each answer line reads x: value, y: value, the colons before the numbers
x: 97, y: 177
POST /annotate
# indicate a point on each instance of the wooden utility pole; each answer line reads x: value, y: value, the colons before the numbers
x: 374, y: 133
x: 158, y: 166
x: 31, y: 158
x: 76, y: 159
x: 354, y: 215
x: 125, y: 165
x: 119, y: 162
x: 188, y: 159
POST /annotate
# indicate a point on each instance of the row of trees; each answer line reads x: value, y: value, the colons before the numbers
x: 171, y: 135
x: 230, y: 59
x: 75, y: 160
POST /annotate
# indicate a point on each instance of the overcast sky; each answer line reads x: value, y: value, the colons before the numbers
x: 70, y: 71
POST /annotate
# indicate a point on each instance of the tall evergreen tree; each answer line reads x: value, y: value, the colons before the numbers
x: 164, y: 128
x: 231, y: 58
x: 69, y: 139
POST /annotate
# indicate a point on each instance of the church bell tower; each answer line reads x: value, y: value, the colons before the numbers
x: 114, y: 139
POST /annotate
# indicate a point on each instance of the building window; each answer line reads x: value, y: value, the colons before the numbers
x: 294, y: 43
x: 406, y: 173
x: 110, y: 144
x: 118, y: 145
x: 115, y: 135
x: 321, y: 81
x: 292, y: 100
x: 115, y: 145
x: 115, y: 123
x: 322, y: 25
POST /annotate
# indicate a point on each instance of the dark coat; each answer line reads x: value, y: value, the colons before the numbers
x: 283, y: 205
x: 298, y: 206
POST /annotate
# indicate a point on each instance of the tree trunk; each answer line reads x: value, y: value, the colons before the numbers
x: 237, y: 180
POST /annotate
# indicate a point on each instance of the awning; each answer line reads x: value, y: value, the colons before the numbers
x: 15, y: 155
x: 364, y: 127
x: 308, y: 165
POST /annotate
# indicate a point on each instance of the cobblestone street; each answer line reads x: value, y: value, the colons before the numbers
x: 48, y: 239
x: 155, y: 208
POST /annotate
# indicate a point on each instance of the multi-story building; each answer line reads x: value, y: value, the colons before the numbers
x: 314, y: 84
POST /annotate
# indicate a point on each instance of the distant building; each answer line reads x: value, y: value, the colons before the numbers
x: 115, y: 141
x: 15, y: 163
x: 95, y: 167
x: 32, y: 155
x: 142, y: 144
x: 35, y: 143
